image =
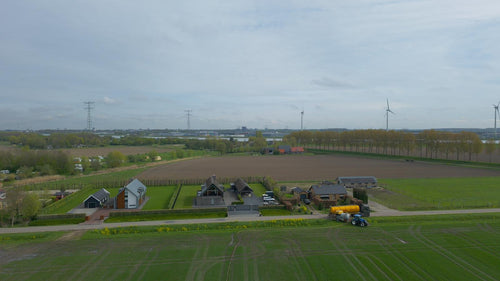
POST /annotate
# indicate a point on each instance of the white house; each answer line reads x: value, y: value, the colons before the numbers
x: 131, y: 196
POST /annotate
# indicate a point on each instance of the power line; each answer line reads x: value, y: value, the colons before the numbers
x: 89, y: 105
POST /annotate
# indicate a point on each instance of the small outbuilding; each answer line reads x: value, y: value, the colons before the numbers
x: 241, y: 187
x: 97, y: 200
x: 302, y: 194
x: 297, y: 150
x: 284, y: 149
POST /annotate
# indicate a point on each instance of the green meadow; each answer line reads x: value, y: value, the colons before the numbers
x: 463, y: 247
x: 438, y: 193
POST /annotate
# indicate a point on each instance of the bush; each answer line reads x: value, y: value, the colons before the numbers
x: 361, y: 194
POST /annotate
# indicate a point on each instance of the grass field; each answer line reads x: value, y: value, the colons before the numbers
x: 439, y: 193
x: 258, y: 189
x: 186, y: 196
x: 159, y: 197
x: 453, y: 248
x: 77, y: 182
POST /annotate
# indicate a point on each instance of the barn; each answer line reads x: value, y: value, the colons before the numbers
x: 351, y: 182
x: 131, y: 196
x: 97, y: 200
x: 328, y: 191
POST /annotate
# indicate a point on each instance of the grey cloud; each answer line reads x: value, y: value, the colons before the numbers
x: 333, y: 83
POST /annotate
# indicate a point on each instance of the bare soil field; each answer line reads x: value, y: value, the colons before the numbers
x: 301, y: 168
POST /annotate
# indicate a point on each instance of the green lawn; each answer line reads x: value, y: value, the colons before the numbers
x: 159, y: 197
x: 258, y: 189
x: 452, y: 248
x: 275, y: 212
x: 441, y: 193
x: 186, y: 196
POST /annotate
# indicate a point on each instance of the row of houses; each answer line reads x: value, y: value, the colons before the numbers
x: 212, y: 192
x: 131, y: 196
x: 325, y: 193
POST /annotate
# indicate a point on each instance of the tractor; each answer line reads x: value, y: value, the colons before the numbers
x: 359, y: 221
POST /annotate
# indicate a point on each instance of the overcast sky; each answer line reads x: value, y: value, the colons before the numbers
x: 249, y: 63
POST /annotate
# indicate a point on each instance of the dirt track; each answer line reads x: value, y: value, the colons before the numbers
x: 300, y: 168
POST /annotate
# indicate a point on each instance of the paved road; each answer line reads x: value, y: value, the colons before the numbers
x: 148, y: 223
x: 378, y: 212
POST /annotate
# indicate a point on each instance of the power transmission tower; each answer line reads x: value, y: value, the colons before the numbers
x: 89, y: 105
x: 188, y: 113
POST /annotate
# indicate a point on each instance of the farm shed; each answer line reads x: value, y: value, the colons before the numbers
x: 97, y: 200
x: 241, y: 187
x: 61, y: 194
x: 211, y: 193
x: 328, y: 191
x: 284, y: 149
x: 297, y: 150
x: 367, y: 182
x: 131, y: 196
x: 268, y: 150
x: 302, y: 194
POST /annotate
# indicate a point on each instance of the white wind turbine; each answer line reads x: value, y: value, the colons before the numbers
x: 387, y: 110
x: 495, y: 108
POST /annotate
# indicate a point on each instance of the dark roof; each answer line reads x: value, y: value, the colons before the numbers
x: 284, y: 147
x: 297, y: 189
x: 328, y: 188
x: 368, y: 179
x: 212, y: 182
x: 100, y: 195
x: 242, y: 186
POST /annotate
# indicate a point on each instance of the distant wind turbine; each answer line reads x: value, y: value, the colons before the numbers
x: 302, y: 120
x: 496, y: 111
x: 387, y: 110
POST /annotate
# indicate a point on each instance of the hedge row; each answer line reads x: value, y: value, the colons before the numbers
x: 43, y: 220
x: 61, y: 216
x: 159, y: 212
x: 269, y: 207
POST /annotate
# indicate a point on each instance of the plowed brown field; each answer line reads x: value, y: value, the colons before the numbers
x: 298, y: 167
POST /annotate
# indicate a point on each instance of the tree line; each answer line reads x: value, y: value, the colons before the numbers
x: 72, y: 140
x: 425, y: 144
x: 40, y: 162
